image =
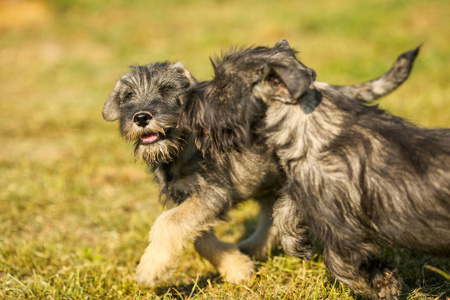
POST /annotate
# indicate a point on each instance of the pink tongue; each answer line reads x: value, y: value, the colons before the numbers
x: 149, y: 138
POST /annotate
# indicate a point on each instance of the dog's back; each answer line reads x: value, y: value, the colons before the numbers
x: 399, y: 173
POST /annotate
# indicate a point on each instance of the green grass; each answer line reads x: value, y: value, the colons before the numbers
x: 75, y: 209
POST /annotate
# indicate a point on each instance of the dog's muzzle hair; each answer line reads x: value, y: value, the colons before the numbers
x: 157, y: 142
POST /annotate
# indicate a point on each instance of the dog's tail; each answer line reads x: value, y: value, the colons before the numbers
x: 371, y: 90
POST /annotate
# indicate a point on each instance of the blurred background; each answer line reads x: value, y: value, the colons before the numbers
x: 74, y: 207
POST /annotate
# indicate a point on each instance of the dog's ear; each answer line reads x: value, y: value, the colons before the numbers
x: 191, y: 80
x: 193, y: 111
x: 282, y: 83
x: 282, y: 44
x: 111, y: 108
x: 180, y: 68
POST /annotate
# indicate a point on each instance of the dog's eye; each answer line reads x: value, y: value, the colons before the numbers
x: 165, y: 90
x: 126, y: 98
x: 129, y: 96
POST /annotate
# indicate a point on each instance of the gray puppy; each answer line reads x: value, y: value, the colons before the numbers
x: 146, y: 103
x: 357, y: 176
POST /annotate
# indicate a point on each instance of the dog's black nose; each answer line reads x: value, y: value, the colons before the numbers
x: 142, y: 119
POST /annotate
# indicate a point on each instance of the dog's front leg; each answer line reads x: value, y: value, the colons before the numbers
x: 170, y: 233
x: 294, y: 234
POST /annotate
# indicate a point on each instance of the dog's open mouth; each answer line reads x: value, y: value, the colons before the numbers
x: 151, y: 138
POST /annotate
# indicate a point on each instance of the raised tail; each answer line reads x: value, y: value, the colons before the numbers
x: 371, y: 90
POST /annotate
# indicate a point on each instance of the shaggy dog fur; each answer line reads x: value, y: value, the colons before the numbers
x: 357, y: 176
x: 146, y: 103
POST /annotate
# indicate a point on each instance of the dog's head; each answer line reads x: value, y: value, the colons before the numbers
x: 146, y: 103
x: 225, y: 113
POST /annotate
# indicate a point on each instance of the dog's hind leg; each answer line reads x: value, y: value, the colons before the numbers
x: 265, y: 236
x: 231, y: 263
x: 372, y: 278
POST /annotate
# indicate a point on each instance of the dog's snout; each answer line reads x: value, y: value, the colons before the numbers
x: 142, y: 119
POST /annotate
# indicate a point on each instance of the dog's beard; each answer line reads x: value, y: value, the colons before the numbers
x: 161, y: 152
x: 159, y: 144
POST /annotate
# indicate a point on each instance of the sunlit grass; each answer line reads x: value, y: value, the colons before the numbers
x: 75, y: 209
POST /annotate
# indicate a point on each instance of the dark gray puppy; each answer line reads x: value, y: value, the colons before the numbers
x: 357, y: 176
x: 146, y: 103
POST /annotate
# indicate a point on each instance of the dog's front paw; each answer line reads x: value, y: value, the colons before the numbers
x: 235, y: 266
x: 153, y: 267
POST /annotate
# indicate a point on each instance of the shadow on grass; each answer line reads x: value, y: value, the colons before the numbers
x: 187, y: 291
x: 420, y: 281
x: 418, y: 275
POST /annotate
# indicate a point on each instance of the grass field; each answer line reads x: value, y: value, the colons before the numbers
x: 75, y: 209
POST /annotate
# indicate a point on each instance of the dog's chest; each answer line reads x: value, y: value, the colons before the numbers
x: 178, y: 180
